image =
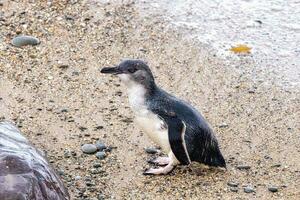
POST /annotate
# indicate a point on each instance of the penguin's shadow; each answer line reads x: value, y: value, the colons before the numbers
x: 197, y: 169
x: 194, y: 169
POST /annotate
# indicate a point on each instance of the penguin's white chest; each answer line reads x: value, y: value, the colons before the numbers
x: 147, y: 120
x: 155, y: 129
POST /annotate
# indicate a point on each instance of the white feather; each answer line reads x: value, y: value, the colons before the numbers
x: 147, y: 120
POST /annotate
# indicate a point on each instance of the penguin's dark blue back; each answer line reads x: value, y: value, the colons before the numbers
x: 201, y: 143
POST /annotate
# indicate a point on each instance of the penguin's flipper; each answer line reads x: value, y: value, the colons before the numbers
x: 176, y: 132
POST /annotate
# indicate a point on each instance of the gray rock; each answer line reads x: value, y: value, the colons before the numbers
x: 276, y: 165
x: 24, y: 40
x: 243, y: 167
x: 248, y: 189
x: 30, y: 174
x: 89, y: 148
x: 61, y: 172
x: 101, y: 197
x: 232, y: 184
x: 100, y: 146
x: 234, y: 189
x: 273, y: 189
x: 77, y: 178
x: 251, y: 91
x: 100, y: 155
x: 94, y: 171
x: 96, y: 165
x: 223, y: 125
x: 151, y: 150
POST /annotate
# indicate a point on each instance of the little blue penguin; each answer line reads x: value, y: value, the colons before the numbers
x: 178, y: 128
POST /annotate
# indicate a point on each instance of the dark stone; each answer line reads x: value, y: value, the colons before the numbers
x: 63, y: 66
x: 98, y: 127
x: 223, y: 125
x: 232, y: 184
x: 26, y: 167
x: 96, y: 165
x: 273, y: 189
x: 100, y: 145
x: 251, y: 91
x: 82, y: 128
x: 64, y: 110
x: 276, y: 165
x: 243, y: 167
x: 101, y: 197
x: 101, y: 155
x: 248, y: 189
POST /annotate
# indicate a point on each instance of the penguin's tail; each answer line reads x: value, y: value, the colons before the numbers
x: 211, y: 156
x: 217, y: 160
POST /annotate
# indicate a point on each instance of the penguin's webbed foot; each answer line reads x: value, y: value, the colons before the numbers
x: 160, y: 171
x: 161, y: 161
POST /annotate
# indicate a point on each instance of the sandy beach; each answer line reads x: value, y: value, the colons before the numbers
x: 56, y: 95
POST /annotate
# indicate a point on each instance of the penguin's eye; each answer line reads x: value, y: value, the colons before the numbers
x: 132, y: 70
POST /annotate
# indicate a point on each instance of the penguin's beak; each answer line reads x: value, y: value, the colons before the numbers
x: 111, y: 70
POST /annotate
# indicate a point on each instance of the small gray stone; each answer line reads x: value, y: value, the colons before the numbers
x: 248, y: 189
x: 25, y: 40
x: 151, y: 150
x: 223, y: 125
x: 61, y: 172
x: 100, y: 155
x: 100, y: 146
x: 251, y: 91
x: 89, y: 148
x: 96, y: 165
x: 101, y: 197
x: 77, y: 178
x: 232, y: 184
x: 94, y: 171
x: 243, y: 167
x: 276, y: 165
x: 234, y: 189
x: 273, y: 189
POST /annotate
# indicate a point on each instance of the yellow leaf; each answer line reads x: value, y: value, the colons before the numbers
x: 241, y: 48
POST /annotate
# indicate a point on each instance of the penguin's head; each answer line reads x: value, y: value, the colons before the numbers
x: 132, y: 72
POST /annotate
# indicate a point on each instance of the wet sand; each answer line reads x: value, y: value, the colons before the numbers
x: 54, y: 90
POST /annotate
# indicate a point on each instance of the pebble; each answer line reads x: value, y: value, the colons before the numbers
x: 67, y: 154
x: 64, y: 110
x: 101, y: 197
x: 276, y: 165
x: 234, y: 189
x: 96, y: 165
x: 61, y: 172
x: 251, y: 91
x: 248, y: 189
x: 100, y: 145
x: 151, y: 150
x: 98, y: 127
x: 273, y: 189
x: 232, y: 184
x: 88, y: 148
x: 77, y: 178
x: 100, y: 155
x: 82, y: 128
x: 20, y: 41
x: 63, y: 66
x: 241, y: 167
x: 223, y: 125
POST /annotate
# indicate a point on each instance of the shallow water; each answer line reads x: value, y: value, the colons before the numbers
x: 270, y: 28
